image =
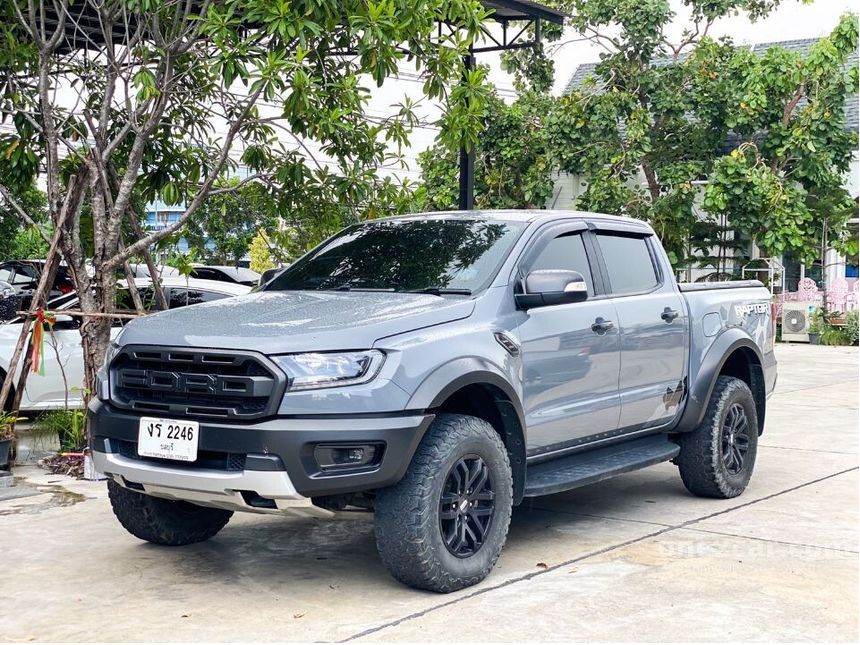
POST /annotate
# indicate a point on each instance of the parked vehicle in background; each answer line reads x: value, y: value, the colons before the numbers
x: 141, y: 270
x: 9, y: 302
x: 23, y: 276
x: 239, y: 275
x: 438, y: 370
x: 269, y: 274
x: 52, y: 391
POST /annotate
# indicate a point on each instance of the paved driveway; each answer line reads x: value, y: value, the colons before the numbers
x: 635, y: 558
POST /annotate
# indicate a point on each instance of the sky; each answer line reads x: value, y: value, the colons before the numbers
x: 792, y: 20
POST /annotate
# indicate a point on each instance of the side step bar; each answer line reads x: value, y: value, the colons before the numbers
x: 596, y: 465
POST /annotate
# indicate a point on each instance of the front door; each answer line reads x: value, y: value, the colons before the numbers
x: 570, y: 363
x: 63, y: 378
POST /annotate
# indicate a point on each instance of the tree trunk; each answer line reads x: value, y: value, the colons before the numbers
x: 147, y: 258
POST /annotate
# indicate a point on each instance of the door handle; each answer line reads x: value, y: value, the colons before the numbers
x: 669, y: 314
x: 601, y: 326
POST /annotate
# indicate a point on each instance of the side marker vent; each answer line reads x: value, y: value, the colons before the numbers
x: 510, y: 345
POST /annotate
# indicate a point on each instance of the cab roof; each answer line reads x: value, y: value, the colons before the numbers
x: 526, y: 216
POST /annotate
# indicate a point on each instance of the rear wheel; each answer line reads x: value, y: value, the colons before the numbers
x: 717, y: 458
x: 442, y: 527
x: 164, y: 521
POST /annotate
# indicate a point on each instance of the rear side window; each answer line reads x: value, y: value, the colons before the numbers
x: 180, y: 297
x: 565, y: 252
x: 628, y: 263
x: 210, y: 274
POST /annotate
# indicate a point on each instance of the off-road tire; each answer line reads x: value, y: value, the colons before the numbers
x: 408, y: 531
x: 162, y: 521
x: 700, y: 461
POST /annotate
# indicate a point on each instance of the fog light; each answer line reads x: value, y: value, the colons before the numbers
x: 346, y: 457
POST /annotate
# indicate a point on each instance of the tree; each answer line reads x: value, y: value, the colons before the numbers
x: 226, y: 224
x: 121, y: 101
x: 784, y: 183
x: 512, y: 169
x: 318, y: 202
x: 21, y: 240
x: 658, y: 119
x: 261, y: 253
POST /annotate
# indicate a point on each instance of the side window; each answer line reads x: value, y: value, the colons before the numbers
x: 25, y: 274
x: 565, y: 252
x: 628, y: 263
x: 182, y: 297
x: 210, y: 274
x: 125, y: 303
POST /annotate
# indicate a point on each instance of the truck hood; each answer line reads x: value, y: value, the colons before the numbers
x: 277, y: 322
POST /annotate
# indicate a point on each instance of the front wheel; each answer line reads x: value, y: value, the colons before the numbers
x: 164, y: 521
x: 717, y: 458
x: 442, y: 527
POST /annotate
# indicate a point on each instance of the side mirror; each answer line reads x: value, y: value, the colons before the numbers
x: 552, y: 287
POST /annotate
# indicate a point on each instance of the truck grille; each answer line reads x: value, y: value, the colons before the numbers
x: 195, y: 382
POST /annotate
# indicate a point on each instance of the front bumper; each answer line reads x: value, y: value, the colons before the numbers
x: 275, y: 456
x: 228, y: 490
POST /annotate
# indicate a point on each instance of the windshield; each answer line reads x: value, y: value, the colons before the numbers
x: 453, y: 255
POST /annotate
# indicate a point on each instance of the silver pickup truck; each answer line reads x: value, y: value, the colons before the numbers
x: 436, y: 369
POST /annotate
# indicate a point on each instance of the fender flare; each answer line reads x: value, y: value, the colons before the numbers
x: 462, y: 372
x: 699, y: 393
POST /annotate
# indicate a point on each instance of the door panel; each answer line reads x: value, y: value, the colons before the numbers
x: 570, y: 371
x: 67, y: 359
x: 653, y: 356
x: 654, y: 331
x: 570, y: 374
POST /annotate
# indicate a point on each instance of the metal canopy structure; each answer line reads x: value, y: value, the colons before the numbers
x: 521, y: 28
x: 516, y: 18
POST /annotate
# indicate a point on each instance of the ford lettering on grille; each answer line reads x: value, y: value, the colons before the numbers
x: 195, y: 382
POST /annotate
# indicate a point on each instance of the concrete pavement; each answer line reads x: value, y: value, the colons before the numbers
x: 633, y: 559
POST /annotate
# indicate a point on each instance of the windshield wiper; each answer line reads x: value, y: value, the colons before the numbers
x: 442, y: 291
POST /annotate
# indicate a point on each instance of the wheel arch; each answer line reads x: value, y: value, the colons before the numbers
x: 482, y: 392
x: 732, y: 354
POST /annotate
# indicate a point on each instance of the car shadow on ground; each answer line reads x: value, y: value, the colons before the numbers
x: 274, y: 553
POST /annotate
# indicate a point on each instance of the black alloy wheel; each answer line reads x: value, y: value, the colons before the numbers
x: 735, y: 438
x: 466, y: 506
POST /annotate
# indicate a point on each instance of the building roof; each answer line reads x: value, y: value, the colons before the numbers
x: 802, y: 46
x: 84, y: 28
x: 504, y: 10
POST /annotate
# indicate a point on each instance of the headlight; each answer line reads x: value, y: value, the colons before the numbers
x: 318, y: 370
x: 112, y: 351
x: 102, y: 384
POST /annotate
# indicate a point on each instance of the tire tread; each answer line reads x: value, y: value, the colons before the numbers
x: 162, y: 521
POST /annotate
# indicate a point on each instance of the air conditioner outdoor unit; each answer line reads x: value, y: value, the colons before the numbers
x: 795, y: 321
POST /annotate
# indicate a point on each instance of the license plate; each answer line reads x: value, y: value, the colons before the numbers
x: 168, y: 439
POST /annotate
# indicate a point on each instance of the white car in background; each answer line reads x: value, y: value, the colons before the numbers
x: 240, y: 275
x: 52, y: 391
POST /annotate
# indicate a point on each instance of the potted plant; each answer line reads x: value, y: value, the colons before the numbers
x: 7, y: 434
x: 816, y: 325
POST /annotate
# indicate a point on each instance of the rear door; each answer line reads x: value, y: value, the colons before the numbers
x: 570, y: 367
x: 653, y: 323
